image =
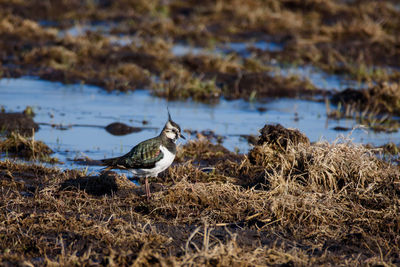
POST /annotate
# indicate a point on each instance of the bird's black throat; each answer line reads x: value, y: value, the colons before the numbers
x: 168, y: 143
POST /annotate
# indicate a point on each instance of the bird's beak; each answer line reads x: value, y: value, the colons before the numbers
x: 182, y: 136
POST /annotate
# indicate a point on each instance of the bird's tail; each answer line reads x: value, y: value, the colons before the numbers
x: 106, y: 169
x: 109, y: 163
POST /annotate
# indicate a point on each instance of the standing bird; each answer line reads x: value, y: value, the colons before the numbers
x: 150, y: 157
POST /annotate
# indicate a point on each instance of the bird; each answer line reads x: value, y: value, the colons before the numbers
x: 150, y: 157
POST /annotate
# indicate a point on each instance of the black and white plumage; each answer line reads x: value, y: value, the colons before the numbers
x: 150, y: 157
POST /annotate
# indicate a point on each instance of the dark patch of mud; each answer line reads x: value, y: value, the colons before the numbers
x: 105, y: 184
x: 117, y: 128
x: 341, y: 129
x: 17, y: 122
x: 280, y: 137
x: 108, y: 183
x: 349, y: 96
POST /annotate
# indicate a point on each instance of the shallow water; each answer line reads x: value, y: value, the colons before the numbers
x: 82, y: 29
x: 242, y: 48
x: 84, y: 110
x: 320, y: 79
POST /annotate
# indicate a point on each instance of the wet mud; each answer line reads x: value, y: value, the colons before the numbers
x: 17, y: 122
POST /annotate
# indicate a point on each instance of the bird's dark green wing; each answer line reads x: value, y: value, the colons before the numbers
x: 144, y: 155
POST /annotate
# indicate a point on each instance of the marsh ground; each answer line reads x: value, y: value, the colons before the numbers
x: 285, y: 201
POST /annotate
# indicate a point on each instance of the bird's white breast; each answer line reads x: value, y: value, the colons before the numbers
x: 167, y: 160
x: 163, y: 164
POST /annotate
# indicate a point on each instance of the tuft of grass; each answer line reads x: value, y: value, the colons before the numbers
x: 57, y: 57
x: 27, y: 148
x: 373, y: 107
x: 178, y: 83
x: 369, y: 117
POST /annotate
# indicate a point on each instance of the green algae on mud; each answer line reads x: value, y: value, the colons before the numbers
x: 268, y: 210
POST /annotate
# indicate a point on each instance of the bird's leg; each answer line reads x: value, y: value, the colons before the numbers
x: 147, y: 188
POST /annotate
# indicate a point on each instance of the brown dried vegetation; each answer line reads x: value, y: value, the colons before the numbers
x: 338, y: 36
x: 27, y: 148
x: 312, y: 204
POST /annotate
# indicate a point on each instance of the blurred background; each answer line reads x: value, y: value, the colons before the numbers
x: 97, y: 76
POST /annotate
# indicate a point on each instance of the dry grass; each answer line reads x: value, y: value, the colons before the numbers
x: 324, y: 203
x: 27, y: 148
x: 178, y: 83
x: 374, y: 107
